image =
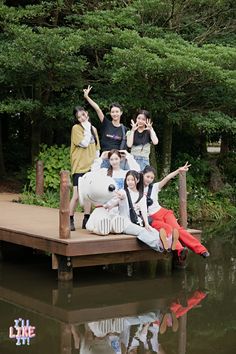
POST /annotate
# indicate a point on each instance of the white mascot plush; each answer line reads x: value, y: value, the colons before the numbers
x: 99, y: 189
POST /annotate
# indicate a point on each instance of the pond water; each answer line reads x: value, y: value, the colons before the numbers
x: 108, y: 311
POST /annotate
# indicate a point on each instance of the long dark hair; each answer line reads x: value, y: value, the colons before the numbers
x: 148, y: 169
x: 110, y: 153
x: 139, y: 177
x: 80, y: 109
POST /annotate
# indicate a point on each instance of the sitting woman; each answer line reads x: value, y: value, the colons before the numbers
x: 164, y: 218
x: 114, y: 170
x: 133, y: 208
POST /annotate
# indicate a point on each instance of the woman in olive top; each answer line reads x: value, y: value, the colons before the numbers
x: 84, y: 150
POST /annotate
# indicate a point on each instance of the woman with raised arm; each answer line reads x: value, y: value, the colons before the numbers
x: 132, y: 207
x: 164, y: 218
x: 113, y: 133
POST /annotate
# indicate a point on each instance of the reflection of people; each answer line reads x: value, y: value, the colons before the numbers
x: 140, y: 137
x: 164, y: 218
x: 84, y: 149
x: 141, y: 332
x: 178, y: 309
x: 133, y: 334
x: 193, y: 300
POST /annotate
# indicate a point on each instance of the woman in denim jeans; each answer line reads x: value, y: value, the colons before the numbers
x: 140, y: 137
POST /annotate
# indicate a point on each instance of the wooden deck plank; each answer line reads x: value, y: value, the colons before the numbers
x: 38, y: 227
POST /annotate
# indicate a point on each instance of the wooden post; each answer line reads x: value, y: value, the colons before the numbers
x: 183, y: 200
x: 39, y: 178
x: 66, y: 340
x: 64, y: 212
x: 65, y: 269
x: 182, y: 334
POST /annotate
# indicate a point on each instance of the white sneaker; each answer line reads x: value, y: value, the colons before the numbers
x: 117, y: 224
x: 103, y: 226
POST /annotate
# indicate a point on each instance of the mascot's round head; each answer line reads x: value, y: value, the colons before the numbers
x: 96, y: 187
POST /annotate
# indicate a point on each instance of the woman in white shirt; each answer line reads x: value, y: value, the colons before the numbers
x: 164, y: 218
x: 135, y: 213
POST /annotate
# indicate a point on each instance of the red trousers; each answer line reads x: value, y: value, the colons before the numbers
x: 164, y: 218
x: 194, y: 300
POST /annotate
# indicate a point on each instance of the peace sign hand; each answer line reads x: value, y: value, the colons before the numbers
x: 148, y: 124
x: 86, y: 91
x: 134, y: 125
x: 184, y: 168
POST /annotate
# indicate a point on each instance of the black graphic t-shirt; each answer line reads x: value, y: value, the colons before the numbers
x: 111, y: 136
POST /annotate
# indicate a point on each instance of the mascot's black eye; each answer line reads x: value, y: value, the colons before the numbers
x: 111, y: 188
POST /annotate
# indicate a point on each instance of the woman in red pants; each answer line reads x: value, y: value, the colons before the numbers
x: 164, y: 218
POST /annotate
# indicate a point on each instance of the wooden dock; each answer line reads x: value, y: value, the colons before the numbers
x: 38, y: 228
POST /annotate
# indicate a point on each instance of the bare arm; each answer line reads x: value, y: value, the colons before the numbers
x: 130, y: 134
x: 133, y: 165
x: 153, y: 135
x: 171, y: 175
x: 93, y: 104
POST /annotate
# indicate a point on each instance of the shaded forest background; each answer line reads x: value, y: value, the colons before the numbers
x: 175, y: 58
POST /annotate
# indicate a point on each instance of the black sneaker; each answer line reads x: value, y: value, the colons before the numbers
x: 205, y: 254
x: 85, y: 219
x: 72, y: 225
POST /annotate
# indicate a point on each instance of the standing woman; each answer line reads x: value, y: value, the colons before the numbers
x: 84, y: 150
x: 113, y: 133
x: 140, y: 137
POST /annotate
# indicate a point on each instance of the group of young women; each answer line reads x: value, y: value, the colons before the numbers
x: 137, y: 195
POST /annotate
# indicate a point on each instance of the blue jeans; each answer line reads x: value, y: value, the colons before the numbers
x: 142, y: 161
x: 123, y: 164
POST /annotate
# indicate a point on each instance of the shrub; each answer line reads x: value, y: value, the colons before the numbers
x: 55, y: 159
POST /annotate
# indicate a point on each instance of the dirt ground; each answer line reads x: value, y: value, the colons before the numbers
x: 10, y: 186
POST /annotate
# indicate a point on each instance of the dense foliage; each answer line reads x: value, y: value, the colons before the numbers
x: 175, y: 58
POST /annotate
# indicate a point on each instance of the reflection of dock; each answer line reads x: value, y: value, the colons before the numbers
x: 69, y: 304
x: 37, y: 228
x: 66, y: 305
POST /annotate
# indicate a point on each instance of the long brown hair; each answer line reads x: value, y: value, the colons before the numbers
x: 79, y: 109
x: 110, y: 153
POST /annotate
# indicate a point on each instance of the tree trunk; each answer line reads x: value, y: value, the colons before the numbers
x: 203, y: 145
x: 224, y: 146
x: 166, y: 147
x: 35, y: 139
x: 2, y: 165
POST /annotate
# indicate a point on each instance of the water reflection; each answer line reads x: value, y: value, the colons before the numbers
x: 123, y: 316
x: 136, y: 334
x: 105, y: 311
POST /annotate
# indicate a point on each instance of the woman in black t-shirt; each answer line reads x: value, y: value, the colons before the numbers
x: 113, y: 133
x: 140, y: 137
